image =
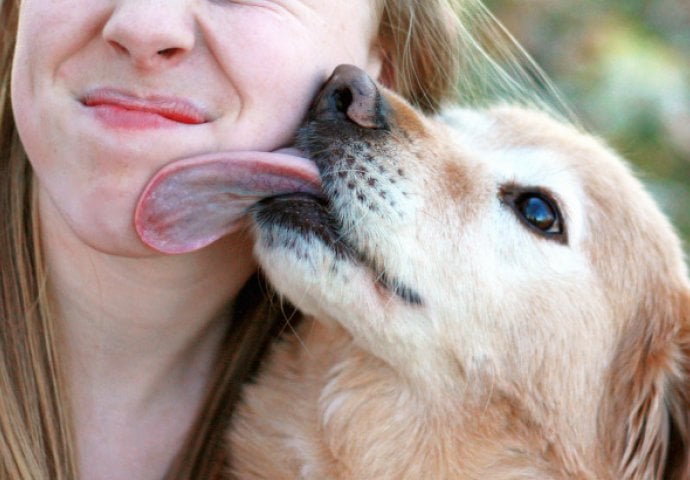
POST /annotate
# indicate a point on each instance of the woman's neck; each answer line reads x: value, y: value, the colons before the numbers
x: 140, y: 337
x: 122, y: 313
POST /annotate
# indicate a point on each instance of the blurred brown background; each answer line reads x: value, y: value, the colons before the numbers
x: 623, y: 66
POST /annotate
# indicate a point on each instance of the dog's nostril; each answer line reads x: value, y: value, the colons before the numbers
x: 350, y: 94
x: 343, y: 99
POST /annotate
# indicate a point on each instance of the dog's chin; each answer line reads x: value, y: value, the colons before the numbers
x: 302, y: 247
x: 288, y: 221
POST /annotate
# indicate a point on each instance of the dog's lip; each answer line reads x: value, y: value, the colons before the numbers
x: 307, y: 212
x: 303, y: 212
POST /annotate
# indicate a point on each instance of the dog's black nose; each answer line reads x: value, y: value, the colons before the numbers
x: 350, y: 94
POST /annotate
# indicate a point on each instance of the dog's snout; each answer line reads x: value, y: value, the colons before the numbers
x: 350, y: 94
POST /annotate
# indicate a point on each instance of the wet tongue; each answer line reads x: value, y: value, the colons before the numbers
x: 194, y: 201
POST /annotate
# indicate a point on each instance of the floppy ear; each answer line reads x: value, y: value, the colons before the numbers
x: 647, y: 418
x: 678, y: 400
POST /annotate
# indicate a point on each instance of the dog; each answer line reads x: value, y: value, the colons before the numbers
x: 487, y: 294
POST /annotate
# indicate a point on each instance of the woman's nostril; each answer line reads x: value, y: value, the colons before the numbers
x: 343, y: 99
x: 167, y: 52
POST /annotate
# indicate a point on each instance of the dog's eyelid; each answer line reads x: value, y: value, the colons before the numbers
x: 517, y: 197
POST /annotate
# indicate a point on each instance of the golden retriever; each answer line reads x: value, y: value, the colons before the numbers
x: 488, y: 295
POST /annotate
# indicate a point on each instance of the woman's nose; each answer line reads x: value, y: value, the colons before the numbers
x: 152, y: 33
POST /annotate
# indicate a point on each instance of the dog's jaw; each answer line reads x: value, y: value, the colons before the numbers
x: 357, y: 265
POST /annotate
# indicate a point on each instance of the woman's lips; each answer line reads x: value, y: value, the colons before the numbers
x: 120, y: 109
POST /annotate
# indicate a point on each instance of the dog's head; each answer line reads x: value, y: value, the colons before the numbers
x: 493, y: 251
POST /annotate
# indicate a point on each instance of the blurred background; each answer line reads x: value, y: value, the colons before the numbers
x: 623, y: 67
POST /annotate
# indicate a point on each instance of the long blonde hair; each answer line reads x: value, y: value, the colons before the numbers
x: 34, y: 435
x: 456, y: 51
x: 429, y: 49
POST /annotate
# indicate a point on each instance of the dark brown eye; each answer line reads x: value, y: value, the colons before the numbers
x: 537, y: 210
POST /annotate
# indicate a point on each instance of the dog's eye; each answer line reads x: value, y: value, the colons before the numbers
x: 538, y: 211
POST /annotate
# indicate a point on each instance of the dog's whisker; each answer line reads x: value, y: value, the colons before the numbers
x: 430, y: 214
x: 489, y: 399
x: 302, y: 342
x: 334, y: 172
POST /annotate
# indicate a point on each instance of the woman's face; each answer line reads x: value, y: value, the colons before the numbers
x: 106, y: 92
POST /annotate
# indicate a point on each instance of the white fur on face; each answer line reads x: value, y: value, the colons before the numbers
x: 492, y: 292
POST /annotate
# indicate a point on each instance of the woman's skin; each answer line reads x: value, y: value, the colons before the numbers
x: 141, y: 328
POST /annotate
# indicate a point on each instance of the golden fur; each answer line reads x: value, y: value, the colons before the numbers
x: 517, y: 355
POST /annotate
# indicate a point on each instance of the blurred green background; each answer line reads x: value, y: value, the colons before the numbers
x: 623, y: 66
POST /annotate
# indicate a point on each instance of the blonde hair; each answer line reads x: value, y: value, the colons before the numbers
x: 456, y: 51
x: 421, y: 45
x: 429, y: 50
x: 34, y: 436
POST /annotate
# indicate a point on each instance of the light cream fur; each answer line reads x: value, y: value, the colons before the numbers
x: 527, y: 357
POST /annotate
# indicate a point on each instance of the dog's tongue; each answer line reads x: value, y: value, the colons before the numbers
x: 192, y: 202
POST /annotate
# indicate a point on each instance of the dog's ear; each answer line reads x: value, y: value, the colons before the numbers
x: 646, y: 419
x: 677, y: 464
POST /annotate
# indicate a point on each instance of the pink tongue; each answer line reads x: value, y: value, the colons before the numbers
x: 195, y: 201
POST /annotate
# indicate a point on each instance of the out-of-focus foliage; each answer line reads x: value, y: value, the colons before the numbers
x: 623, y: 66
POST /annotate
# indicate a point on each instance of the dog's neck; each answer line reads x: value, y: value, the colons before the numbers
x: 357, y: 418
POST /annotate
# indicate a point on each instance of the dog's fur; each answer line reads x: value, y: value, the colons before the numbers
x: 445, y: 337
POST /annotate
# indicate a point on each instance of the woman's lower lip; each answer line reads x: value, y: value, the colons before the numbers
x: 127, y: 119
